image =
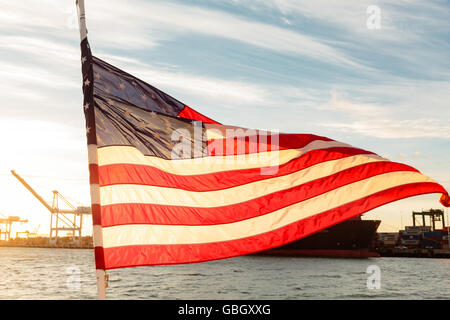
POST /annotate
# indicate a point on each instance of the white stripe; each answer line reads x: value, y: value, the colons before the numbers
x: 132, y: 193
x: 97, y: 235
x: 169, y: 234
x: 95, y: 194
x: 92, y: 154
x: 210, y: 164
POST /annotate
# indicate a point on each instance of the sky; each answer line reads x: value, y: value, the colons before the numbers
x: 374, y: 74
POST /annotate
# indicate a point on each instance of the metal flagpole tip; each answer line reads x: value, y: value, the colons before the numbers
x: 81, y: 18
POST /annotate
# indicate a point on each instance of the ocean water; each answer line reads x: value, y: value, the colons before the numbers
x: 35, y: 273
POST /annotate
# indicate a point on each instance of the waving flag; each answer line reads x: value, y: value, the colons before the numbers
x: 177, y: 187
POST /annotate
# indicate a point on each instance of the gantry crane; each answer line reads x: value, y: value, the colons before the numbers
x: 8, y: 221
x: 71, y: 219
x: 434, y: 214
x: 28, y: 233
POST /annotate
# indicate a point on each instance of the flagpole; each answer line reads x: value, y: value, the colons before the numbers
x: 93, y: 169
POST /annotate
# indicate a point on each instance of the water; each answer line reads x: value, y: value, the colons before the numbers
x: 30, y: 273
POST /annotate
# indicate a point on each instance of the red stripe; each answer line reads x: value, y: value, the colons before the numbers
x: 260, y: 143
x: 125, y: 213
x: 189, y: 113
x: 93, y: 173
x: 96, y: 215
x: 445, y: 200
x: 147, y: 175
x: 99, y: 254
x: 133, y: 256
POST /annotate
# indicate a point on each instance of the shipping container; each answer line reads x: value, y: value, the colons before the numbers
x: 411, y: 242
x: 388, y: 236
x: 418, y: 228
x: 434, y: 234
x: 412, y: 237
x: 425, y: 244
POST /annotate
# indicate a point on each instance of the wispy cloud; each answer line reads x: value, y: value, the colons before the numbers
x: 211, y: 90
x: 394, y: 129
x: 353, y: 110
x: 406, y: 26
x: 40, y: 47
x: 165, y: 20
x: 401, y: 20
x: 406, y: 109
x: 33, y: 76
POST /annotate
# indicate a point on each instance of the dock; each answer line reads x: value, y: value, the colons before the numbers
x: 46, y: 242
x: 414, y: 253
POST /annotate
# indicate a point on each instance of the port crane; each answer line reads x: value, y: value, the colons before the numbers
x: 7, y: 222
x: 28, y: 233
x: 61, y: 220
x: 434, y: 214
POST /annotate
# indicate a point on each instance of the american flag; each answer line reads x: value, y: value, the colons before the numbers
x: 175, y: 186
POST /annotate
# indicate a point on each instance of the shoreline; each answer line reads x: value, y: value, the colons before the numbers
x: 45, y: 247
x: 384, y: 252
x: 45, y: 242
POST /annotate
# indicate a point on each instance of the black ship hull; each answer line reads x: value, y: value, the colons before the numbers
x: 349, y: 239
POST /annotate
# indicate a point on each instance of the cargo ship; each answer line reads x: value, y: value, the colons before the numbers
x: 352, y: 238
